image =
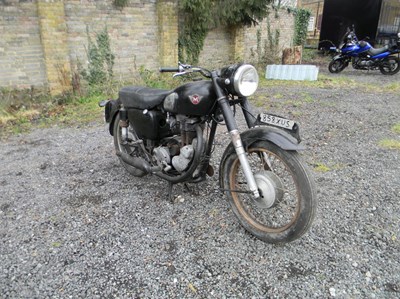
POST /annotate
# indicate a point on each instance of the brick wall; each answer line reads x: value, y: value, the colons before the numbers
x: 42, y: 40
x: 21, y: 53
x: 133, y: 32
x: 283, y: 21
x: 217, y: 50
x: 54, y: 37
x: 225, y: 45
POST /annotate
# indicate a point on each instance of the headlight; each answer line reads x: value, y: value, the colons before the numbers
x: 245, y: 80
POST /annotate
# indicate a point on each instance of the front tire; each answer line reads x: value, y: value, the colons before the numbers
x: 288, y: 202
x: 336, y: 66
x: 390, y: 66
x: 124, y: 147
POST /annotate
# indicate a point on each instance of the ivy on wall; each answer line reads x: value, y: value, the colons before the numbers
x: 302, y: 17
x: 100, y: 58
x: 120, y: 3
x: 199, y: 16
x: 197, y: 22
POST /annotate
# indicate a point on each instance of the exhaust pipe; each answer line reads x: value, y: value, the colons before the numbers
x: 138, y: 163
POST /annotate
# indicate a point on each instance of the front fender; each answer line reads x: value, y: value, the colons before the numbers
x: 337, y: 57
x: 345, y: 58
x: 277, y: 136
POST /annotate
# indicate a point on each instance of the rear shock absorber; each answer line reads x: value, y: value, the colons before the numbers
x: 123, y: 123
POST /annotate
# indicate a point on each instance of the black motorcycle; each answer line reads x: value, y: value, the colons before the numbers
x: 170, y: 134
x: 364, y: 57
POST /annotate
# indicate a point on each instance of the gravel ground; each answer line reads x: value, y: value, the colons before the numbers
x: 74, y: 224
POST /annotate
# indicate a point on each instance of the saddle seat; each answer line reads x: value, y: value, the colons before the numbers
x: 374, y: 51
x: 140, y: 97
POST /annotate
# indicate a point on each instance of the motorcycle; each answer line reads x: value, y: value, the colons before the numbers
x: 364, y: 57
x: 170, y: 134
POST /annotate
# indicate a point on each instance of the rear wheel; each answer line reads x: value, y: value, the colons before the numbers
x: 336, y: 66
x: 287, y: 205
x: 126, y: 146
x: 390, y: 66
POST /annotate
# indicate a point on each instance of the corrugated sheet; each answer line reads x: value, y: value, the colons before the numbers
x: 389, y: 20
x: 301, y: 72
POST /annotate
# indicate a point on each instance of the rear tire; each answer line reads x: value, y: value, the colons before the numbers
x: 125, y: 148
x: 336, y: 66
x: 288, y: 203
x: 390, y: 66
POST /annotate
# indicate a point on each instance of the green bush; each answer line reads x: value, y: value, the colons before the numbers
x: 100, y: 58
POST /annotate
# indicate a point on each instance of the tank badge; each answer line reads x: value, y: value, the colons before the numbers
x: 195, y: 99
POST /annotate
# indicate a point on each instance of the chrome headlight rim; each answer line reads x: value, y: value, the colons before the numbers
x: 245, y: 89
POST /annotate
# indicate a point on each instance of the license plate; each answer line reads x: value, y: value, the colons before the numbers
x: 277, y: 121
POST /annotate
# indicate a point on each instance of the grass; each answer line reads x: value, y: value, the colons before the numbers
x: 68, y: 110
x: 320, y: 167
x: 72, y: 112
x: 56, y: 244
x: 30, y: 113
x: 393, y: 87
x: 390, y: 144
x: 311, y: 56
x: 396, y: 128
x: 322, y: 82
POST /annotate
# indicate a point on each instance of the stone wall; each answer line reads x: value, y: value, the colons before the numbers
x: 42, y: 41
x: 217, y: 50
x: 225, y: 45
x: 21, y: 52
x: 134, y: 32
x: 283, y: 22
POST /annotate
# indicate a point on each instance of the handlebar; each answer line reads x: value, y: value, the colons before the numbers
x: 184, y: 69
x: 169, y: 69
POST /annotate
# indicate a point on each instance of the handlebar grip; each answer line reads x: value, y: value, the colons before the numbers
x: 169, y: 69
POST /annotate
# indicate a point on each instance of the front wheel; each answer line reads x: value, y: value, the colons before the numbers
x: 287, y: 205
x: 336, y: 66
x: 390, y: 66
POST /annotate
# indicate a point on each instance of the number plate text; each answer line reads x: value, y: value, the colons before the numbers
x: 276, y: 121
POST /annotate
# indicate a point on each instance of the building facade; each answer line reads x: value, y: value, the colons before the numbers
x: 44, y: 41
x: 377, y: 19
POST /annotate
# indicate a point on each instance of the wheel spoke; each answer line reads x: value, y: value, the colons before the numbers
x: 285, y: 208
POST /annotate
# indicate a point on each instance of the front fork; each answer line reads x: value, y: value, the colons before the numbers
x: 235, y: 136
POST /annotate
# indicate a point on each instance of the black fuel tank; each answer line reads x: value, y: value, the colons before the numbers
x: 195, y: 98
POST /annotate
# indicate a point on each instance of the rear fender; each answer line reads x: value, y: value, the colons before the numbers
x: 110, y: 112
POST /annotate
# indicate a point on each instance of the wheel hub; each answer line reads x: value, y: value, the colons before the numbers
x: 270, y: 187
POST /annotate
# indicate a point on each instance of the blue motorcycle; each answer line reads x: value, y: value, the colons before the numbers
x: 364, y: 57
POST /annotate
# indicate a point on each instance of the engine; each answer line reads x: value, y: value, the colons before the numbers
x: 360, y: 63
x: 177, y: 152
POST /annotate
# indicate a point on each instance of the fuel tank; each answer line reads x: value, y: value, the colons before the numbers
x: 363, y: 47
x: 350, y: 48
x: 194, y: 99
x: 355, y: 49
